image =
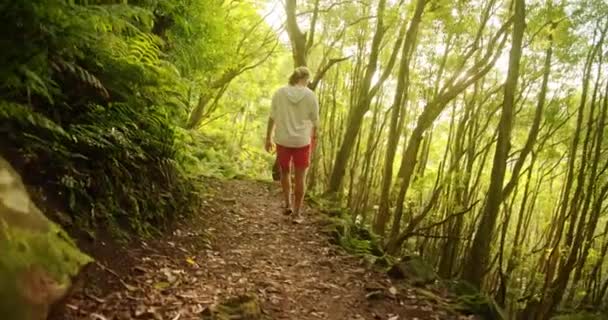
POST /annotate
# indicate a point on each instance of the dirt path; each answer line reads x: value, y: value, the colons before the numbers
x: 240, y: 244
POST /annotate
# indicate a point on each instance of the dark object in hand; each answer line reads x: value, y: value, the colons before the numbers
x: 276, y: 171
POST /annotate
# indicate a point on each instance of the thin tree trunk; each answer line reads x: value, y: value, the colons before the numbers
x: 395, y: 128
x: 431, y: 111
x: 297, y: 38
x: 477, y: 262
x: 591, y: 225
x: 366, y: 94
x: 555, y: 288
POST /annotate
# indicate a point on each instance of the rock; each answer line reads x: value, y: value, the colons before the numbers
x: 245, y: 307
x: 471, y: 301
x: 39, y: 262
x: 413, y: 269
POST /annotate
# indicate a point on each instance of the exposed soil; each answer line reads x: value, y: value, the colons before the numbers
x: 240, y: 243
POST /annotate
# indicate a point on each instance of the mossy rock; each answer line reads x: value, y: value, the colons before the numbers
x: 471, y: 301
x: 39, y: 261
x: 363, y: 233
x: 384, y: 261
x: 413, y: 269
x: 375, y: 244
x: 335, y: 228
x: 353, y: 238
x: 245, y: 307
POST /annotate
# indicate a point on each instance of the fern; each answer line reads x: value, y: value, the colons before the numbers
x: 91, y: 104
x: 83, y: 75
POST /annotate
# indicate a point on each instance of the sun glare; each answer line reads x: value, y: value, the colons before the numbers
x: 274, y: 15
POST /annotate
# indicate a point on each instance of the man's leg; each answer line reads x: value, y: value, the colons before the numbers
x: 284, y: 159
x: 286, y: 184
x: 301, y: 160
x: 300, y: 187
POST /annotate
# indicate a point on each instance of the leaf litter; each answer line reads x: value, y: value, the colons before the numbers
x: 240, y: 244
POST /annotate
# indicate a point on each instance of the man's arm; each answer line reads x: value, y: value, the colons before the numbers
x: 269, y: 129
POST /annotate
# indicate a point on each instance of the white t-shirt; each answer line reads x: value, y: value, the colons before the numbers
x: 295, y: 110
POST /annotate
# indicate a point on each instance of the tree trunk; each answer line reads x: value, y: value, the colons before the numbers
x: 535, y: 128
x: 364, y: 181
x: 395, y: 128
x: 477, y: 262
x: 460, y: 183
x: 555, y: 287
x: 431, y: 111
x: 366, y: 94
x: 296, y: 37
x: 591, y: 225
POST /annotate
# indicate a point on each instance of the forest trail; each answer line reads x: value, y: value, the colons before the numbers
x: 241, y: 244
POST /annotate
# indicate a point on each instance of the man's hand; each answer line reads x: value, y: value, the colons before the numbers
x: 269, y: 145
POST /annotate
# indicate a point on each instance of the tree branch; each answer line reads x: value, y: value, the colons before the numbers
x: 450, y: 217
x: 321, y: 72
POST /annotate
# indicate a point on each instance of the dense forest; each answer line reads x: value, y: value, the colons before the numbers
x: 468, y: 133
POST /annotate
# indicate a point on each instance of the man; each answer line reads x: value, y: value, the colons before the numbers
x: 294, y: 118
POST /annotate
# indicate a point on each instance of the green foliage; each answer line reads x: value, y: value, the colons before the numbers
x: 414, y: 270
x: 470, y: 300
x: 215, y: 153
x: 89, y: 107
x: 196, y: 33
x: 93, y: 94
x: 355, y: 238
x: 581, y: 316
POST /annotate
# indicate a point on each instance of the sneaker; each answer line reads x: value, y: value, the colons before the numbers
x: 297, y: 218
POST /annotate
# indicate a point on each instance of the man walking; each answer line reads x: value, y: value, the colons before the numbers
x: 294, y: 119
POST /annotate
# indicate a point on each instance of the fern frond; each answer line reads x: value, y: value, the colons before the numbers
x: 25, y: 116
x: 82, y: 74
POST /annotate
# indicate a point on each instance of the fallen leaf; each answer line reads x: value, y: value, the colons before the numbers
x: 97, y: 316
x: 162, y: 285
x: 374, y: 295
x: 130, y: 287
x: 97, y: 299
x: 71, y: 306
x: 140, y: 269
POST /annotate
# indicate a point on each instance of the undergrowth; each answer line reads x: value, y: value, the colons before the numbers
x: 90, y: 111
x: 213, y: 153
x: 355, y: 238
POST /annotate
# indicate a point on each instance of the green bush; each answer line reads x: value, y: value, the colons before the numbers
x: 90, y: 110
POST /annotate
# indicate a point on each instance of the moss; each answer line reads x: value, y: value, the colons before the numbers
x: 38, y: 260
x: 245, y: 307
x: 414, y: 270
x: 471, y: 301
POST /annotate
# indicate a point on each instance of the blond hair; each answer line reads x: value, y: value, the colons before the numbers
x: 298, y: 74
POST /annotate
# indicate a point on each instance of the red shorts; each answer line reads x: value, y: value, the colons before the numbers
x: 300, y: 156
